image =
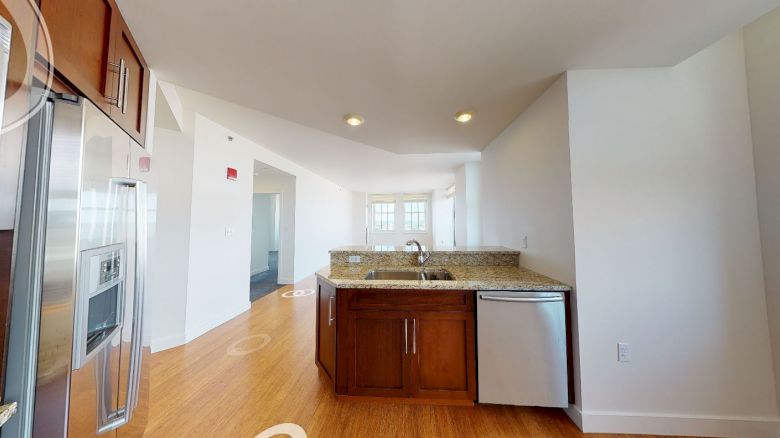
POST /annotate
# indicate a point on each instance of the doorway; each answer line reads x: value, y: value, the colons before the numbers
x: 273, y: 230
x: 264, y: 271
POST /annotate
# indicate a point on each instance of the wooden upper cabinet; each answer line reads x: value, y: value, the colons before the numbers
x: 90, y: 40
x: 82, y: 45
x: 133, y: 84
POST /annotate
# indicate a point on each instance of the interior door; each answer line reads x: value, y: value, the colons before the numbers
x: 443, y: 355
x: 379, y: 362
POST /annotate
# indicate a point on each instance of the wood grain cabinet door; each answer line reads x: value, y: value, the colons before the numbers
x: 443, y: 359
x: 326, y: 329
x: 379, y: 354
x: 133, y: 84
x: 83, y: 46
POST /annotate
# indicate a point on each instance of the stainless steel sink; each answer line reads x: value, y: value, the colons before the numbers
x: 434, y: 274
x: 439, y: 274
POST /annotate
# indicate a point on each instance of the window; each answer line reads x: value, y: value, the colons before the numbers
x: 414, y: 215
x: 384, y: 216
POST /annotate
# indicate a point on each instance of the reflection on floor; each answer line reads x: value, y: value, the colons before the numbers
x: 266, y: 282
x: 205, y: 389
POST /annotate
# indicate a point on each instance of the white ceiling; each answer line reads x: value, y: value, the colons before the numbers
x: 356, y: 166
x: 408, y: 65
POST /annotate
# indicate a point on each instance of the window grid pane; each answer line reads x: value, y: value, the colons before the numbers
x: 414, y: 215
x: 384, y: 216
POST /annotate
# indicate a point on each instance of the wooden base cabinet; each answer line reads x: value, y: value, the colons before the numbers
x: 416, y: 345
x: 379, y: 362
x: 326, y: 329
x: 443, y: 355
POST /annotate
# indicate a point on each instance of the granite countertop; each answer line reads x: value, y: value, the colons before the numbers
x: 466, y: 278
x: 439, y: 249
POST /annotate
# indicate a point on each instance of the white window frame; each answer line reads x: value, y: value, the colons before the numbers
x: 388, y: 214
x: 423, y: 197
x: 425, y: 216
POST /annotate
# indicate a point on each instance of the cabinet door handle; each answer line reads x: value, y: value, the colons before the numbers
x: 406, y: 336
x: 117, y: 100
x: 120, y: 101
x: 414, y: 336
x: 330, y: 310
x: 126, y: 90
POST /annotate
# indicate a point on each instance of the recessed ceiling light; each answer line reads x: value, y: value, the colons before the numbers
x: 354, y: 120
x: 464, y: 116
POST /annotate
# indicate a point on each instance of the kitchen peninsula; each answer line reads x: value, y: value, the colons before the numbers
x: 386, y: 327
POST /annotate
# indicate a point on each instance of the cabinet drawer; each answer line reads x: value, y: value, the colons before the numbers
x: 412, y: 299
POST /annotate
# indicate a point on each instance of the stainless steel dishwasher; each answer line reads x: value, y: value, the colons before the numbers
x: 521, y: 348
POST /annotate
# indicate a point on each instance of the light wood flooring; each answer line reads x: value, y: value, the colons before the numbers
x: 199, y: 390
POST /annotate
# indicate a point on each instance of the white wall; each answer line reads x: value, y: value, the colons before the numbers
x: 668, y: 251
x: 762, y: 50
x: 323, y: 209
x: 168, y: 260
x: 443, y: 222
x: 277, y: 205
x: 220, y: 229
x: 526, y: 192
x: 219, y: 264
x: 359, y: 203
x: 204, y: 222
x: 263, y: 231
x: 467, y: 205
x: 400, y: 236
x: 526, y: 187
x: 284, y: 185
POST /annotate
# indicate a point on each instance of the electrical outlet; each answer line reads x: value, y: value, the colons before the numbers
x: 525, y: 242
x: 624, y: 352
x: 354, y: 259
x: 228, y: 231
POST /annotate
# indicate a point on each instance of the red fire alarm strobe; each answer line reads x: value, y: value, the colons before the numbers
x: 232, y: 174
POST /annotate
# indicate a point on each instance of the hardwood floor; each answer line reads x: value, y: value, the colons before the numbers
x: 269, y: 377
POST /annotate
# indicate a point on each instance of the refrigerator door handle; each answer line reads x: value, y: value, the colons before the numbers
x: 123, y: 415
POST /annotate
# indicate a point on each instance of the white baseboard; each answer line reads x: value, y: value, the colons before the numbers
x: 259, y: 271
x: 663, y: 424
x: 215, y: 321
x: 285, y: 280
x: 168, y: 342
x: 574, y: 412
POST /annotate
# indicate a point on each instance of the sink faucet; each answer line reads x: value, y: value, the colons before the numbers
x: 422, y: 256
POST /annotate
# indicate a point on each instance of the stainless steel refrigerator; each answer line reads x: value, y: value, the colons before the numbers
x: 80, y: 277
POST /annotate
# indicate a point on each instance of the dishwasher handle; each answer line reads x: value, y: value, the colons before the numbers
x: 550, y: 299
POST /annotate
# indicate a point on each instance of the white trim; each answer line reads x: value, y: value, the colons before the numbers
x: 381, y: 199
x: 285, y: 280
x: 574, y: 412
x: 259, y: 271
x: 675, y: 424
x: 168, y: 342
x: 216, y: 321
x: 416, y: 197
